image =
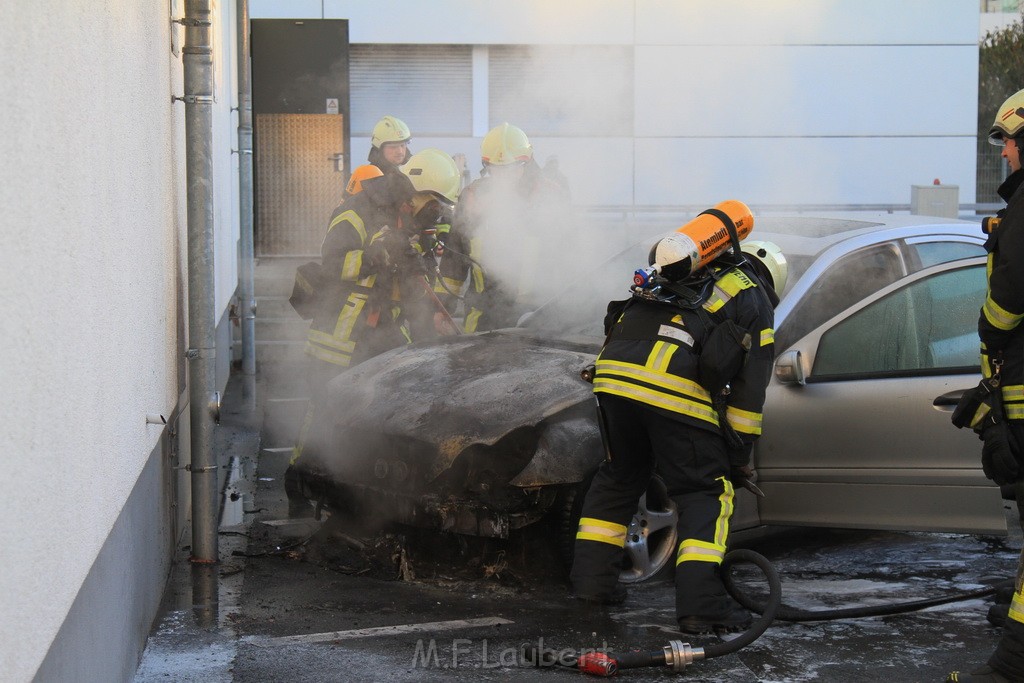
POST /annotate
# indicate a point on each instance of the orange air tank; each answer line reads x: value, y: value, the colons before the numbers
x: 699, y: 242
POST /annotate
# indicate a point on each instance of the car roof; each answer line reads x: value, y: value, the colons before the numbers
x: 803, y: 235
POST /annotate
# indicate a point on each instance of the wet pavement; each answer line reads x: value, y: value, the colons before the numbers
x: 302, y: 600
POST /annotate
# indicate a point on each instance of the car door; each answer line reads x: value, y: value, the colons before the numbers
x: 857, y: 431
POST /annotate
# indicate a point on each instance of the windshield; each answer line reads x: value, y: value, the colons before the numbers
x: 579, y: 308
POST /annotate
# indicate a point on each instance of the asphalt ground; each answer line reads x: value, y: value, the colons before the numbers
x: 335, y: 600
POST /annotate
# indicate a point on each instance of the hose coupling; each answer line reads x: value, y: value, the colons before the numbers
x: 679, y: 655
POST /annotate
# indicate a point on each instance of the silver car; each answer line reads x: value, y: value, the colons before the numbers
x: 876, y: 334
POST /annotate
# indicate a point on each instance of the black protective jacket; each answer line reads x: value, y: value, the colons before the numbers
x: 999, y: 325
x: 360, y: 308
x: 653, y: 356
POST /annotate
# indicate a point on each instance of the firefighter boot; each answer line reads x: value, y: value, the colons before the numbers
x: 702, y: 605
x: 616, y: 596
x: 997, y: 615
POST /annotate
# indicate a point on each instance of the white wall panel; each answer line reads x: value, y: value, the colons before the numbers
x: 288, y: 9
x: 799, y: 170
x: 566, y: 22
x: 810, y: 22
x: 89, y: 294
x: 599, y: 169
x: 806, y: 90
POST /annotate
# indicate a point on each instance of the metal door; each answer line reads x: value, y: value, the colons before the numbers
x: 301, y: 103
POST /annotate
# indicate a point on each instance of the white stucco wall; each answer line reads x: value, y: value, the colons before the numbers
x: 92, y: 284
x: 827, y: 101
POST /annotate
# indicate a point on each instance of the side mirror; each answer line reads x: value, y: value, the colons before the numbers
x: 789, y: 368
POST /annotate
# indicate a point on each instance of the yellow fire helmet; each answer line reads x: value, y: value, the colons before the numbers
x: 390, y: 129
x: 770, y: 256
x: 433, y: 171
x: 1009, y: 121
x: 364, y: 172
x: 504, y: 145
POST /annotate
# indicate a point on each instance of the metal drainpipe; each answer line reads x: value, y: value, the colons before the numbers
x: 246, y: 272
x: 198, y: 66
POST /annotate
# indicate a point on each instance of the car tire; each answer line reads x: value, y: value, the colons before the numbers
x: 650, y: 537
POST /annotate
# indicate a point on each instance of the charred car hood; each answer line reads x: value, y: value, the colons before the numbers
x: 458, y: 392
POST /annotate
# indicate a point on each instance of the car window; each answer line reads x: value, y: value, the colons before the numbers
x: 928, y: 325
x: 934, y: 253
x: 849, y: 280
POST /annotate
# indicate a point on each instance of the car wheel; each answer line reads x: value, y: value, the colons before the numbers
x: 651, y: 537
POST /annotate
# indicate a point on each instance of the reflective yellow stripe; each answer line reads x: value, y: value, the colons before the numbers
x: 591, y: 529
x: 660, y: 356
x: 1017, y: 607
x: 1014, y: 411
x: 714, y: 301
x: 324, y: 339
x: 999, y: 317
x: 478, y: 279
x: 352, y: 265
x: 729, y: 286
x: 1013, y: 392
x: 453, y: 284
x: 349, y: 313
x: 767, y: 336
x: 702, y: 551
x: 722, y: 525
x: 473, y: 319
x: 655, y: 398
x: 328, y: 355
x: 353, y: 218
x: 743, y: 421
x: 979, y: 415
x: 693, y: 550
x: 662, y: 379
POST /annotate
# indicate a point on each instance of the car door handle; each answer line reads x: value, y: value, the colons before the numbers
x: 949, y: 399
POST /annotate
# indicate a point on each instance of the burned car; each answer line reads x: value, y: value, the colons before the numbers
x: 489, y: 433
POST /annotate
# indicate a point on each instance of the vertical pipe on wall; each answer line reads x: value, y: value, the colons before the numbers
x: 246, y: 267
x: 197, y: 57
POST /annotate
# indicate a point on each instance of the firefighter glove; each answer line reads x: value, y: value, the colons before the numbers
x: 998, y: 458
x: 739, y: 474
x: 740, y: 457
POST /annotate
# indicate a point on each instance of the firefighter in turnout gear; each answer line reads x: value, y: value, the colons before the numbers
x: 389, y: 145
x: 375, y: 292
x: 680, y: 384
x: 1002, y: 353
x: 502, y: 222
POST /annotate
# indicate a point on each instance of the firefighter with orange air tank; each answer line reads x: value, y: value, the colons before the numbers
x: 680, y: 384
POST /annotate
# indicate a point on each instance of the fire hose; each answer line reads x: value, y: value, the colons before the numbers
x: 677, y: 655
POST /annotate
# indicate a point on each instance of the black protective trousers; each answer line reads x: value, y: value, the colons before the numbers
x: 1008, y: 657
x: 694, y: 465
